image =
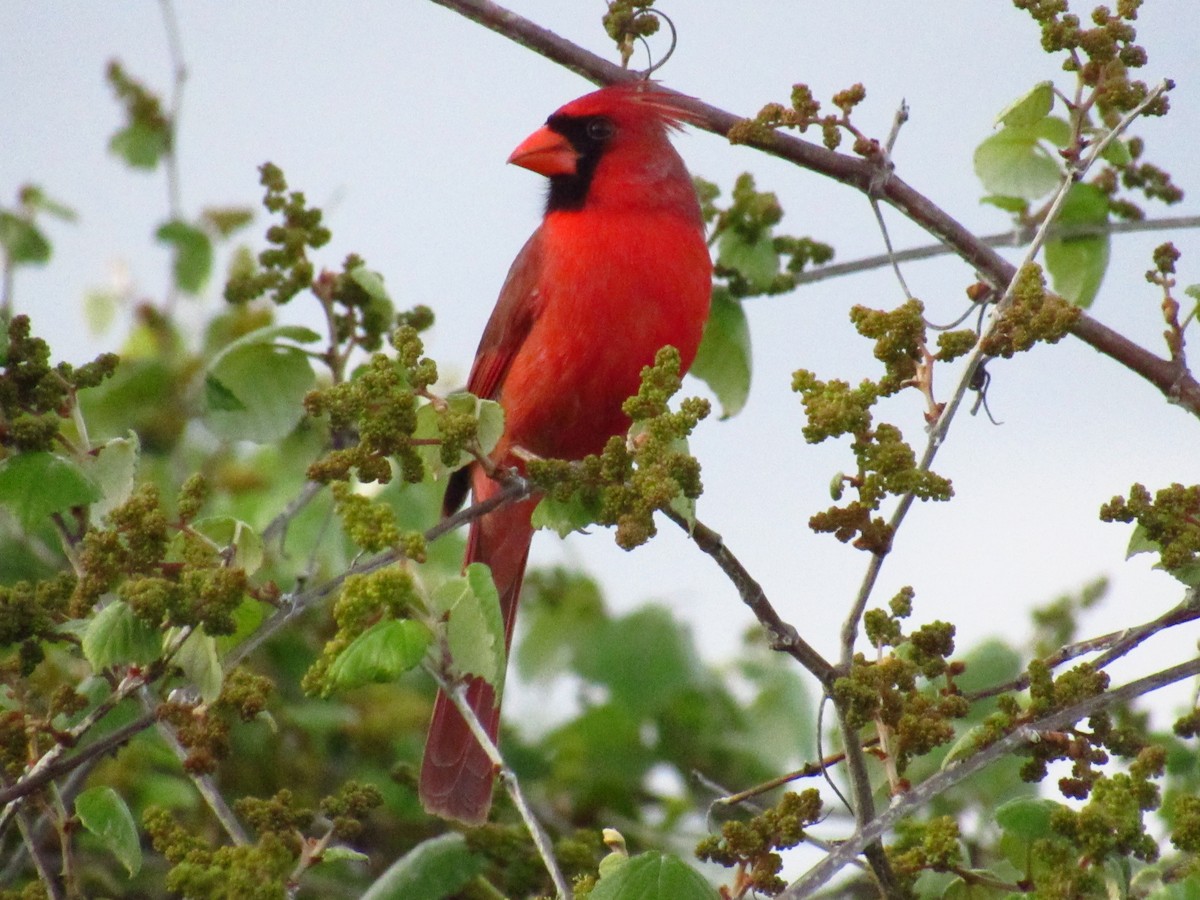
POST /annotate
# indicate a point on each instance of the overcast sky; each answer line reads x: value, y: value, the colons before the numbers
x: 398, y: 117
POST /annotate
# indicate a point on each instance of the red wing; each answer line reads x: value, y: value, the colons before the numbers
x: 515, y: 312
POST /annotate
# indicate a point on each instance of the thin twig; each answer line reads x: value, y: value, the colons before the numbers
x: 1115, y: 644
x: 783, y: 636
x: 1011, y: 238
x: 279, y: 524
x: 458, y: 696
x: 44, y: 868
x: 204, y: 783
x: 919, y: 796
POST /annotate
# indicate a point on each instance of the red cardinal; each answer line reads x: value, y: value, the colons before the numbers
x: 618, y: 269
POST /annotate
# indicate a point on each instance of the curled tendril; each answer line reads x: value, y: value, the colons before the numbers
x: 655, y: 66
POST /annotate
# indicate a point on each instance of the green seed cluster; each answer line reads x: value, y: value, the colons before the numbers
x: 374, y: 415
x: 625, y: 485
x: 1170, y: 520
x: 1033, y: 316
x: 934, y: 845
x: 887, y: 691
x: 143, y: 108
x: 36, y: 396
x: 1102, y: 54
x: 752, y: 216
x: 803, y: 112
x: 627, y: 20
x: 389, y: 593
x: 165, y: 582
x: 286, y: 269
x: 752, y: 845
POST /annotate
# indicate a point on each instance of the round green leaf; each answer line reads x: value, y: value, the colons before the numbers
x: 654, y: 876
x: 113, y: 467
x: 193, y: 254
x: 474, y: 626
x: 117, y: 637
x: 34, y: 485
x: 1012, y: 163
x: 432, y: 870
x: 1077, y: 264
x: 382, y: 653
x: 1028, y: 818
x: 225, y: 532
x: 723, y: 360
x: 1031, y: 107
x: 200, y: 664
x: 22, y: 241
x: 565, y: 516
x: 102, y: 812
x: 139, y: 144
x: 756, y: 260
x: 255, y: 392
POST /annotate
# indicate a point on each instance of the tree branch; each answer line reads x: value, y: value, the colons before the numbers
x: 783, y: 636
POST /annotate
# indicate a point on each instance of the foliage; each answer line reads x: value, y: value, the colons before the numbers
x: 224, y: 608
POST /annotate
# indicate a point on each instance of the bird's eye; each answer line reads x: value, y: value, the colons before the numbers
x: 600, y: 129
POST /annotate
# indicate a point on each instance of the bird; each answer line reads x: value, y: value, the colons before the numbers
x: 618, y: 268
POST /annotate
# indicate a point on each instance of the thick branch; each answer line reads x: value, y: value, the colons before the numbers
x: 784, y: 636
x: 1177, y: 384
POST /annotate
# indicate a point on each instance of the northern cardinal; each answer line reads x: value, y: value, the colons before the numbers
x: 618, y: 269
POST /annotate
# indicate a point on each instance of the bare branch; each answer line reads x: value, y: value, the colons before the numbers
x: 783, y: 636
x: 1012, y: 238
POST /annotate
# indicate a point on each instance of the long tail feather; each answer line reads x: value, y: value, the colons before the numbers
x: 456, y: 774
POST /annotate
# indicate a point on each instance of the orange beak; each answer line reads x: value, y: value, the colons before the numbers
x: 547, y: 153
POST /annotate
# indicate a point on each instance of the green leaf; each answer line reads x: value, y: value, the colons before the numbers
x: 199, y: 661
x: 1055, y: 129
x: 566, y: 516
x: 226, y: 532
x: 1028, y: 109
x: 23, y: 242
x: 1117, y: 153
x: 723, y: 360
x: 1008, y: 204
x: 756, y: 260
x: 117, y: 637
x: 432, y: 870
x: 371, y: 282
x: 113, y: 468
x: 334, y: 854
x: 139, y: 144
x: 380, y: 654
x: 270, y: 334
x: 1140, y: 543
x: 475, y: 625
x: 34, y: 485
x: 559, y: 611
x: 645, y: 658
x: 1077, y: 264
x: 102, y: 812
x: 488, y: 413
x: 1028, y: 817
x: 269, y: 382
x: 654, y: 876
x: 1013, y: 163
x: 193, y: 254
